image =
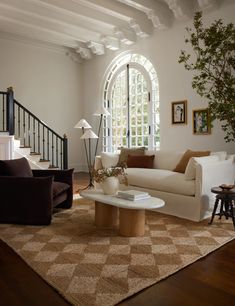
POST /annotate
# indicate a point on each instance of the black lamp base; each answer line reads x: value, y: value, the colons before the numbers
x: 89, y: 186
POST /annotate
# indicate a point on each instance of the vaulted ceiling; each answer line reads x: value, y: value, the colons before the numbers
x: 89, y: 27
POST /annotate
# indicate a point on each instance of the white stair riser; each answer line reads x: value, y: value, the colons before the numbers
x: 23, y: 151
x: 34, y: 158
x: 43, y: 165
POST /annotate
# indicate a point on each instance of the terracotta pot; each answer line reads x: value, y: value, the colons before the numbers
x: 110, y: 185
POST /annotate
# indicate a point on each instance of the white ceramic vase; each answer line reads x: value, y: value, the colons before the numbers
x: 110, y: 185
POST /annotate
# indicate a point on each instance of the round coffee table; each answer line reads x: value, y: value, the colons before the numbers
x: 226, y: 199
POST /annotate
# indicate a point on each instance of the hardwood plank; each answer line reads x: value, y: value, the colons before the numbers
x: 20, y: 285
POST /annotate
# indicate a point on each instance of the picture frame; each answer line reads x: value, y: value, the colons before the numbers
x: 179, y: 112
x: 201, y: 122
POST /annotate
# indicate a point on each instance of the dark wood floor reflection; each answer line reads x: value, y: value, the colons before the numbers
x: 208, y: 282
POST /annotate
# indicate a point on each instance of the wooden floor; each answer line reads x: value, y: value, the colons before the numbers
x: 208, y: 282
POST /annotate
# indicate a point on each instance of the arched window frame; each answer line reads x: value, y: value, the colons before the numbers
x: 143, y: 65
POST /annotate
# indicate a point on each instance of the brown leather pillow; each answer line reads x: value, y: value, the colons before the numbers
x: 140, y: 161
x: 15, y: 167
x: 181, y: 166
x: 129, y: 151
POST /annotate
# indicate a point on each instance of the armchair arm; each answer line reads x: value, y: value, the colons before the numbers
x: 26, y: 200
x: 64, y: 176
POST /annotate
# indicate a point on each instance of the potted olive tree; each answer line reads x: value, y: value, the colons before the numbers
x: 213, y: 67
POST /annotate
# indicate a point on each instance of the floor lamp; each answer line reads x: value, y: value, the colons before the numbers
x: 88, y: 135
x: 83, y: 125
x: 101, y: 111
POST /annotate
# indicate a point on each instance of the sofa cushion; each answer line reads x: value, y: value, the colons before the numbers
x: 59, y: 188
x: 109, y: 159
x: 15, y: 167
x: 129, y: 151
x: 161, y: 180
x: 145, y: 161
x: 181, y: 166
x: 164, y: 159
x: 190, y: 171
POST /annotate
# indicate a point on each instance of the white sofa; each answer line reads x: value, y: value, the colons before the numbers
x: 186, y: 195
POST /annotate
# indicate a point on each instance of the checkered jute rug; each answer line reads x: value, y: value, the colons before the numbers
x: 99, y: 267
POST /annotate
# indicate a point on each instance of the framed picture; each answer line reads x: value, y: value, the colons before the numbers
x: 179, y: 112
x: 201, y: 122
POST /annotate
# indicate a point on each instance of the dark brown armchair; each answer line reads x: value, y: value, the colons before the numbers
x: 29, y: 196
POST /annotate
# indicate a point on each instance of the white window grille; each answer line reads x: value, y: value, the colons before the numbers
x: 131, y: 95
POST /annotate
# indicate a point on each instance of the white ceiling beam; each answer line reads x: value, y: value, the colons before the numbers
x: 46, y: 24
x: 35, y: 34
x: 125, y: 36
x: 71, y: 7
x: 54, y: 13
x: 91, y: 12
x: 96, y: 48
x: 120, y: 11
x: 158, y: 12
x: 111, y: 43
x: 182, y: 9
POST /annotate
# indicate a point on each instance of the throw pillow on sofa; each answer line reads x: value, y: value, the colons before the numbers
x: 190, y: 171
x: 140, y: 161
x: 109, y: 159
x: 126, y: 151
x: 181, y: 166
x: 15, y: 167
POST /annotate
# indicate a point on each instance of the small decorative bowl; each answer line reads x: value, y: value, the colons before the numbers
x: 226, y: 187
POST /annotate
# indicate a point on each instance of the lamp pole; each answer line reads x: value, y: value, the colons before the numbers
x: 89, y: 134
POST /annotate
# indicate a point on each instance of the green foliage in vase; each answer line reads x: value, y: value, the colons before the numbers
x: 213, y: 65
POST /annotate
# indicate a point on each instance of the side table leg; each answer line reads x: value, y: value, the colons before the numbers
x: 232, y: 212
x: 131, y: 222
x: 214, y: 211
x: 106, y: 216
x: 221, y: 208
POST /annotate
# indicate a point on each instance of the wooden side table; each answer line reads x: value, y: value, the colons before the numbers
x: 226, y: 199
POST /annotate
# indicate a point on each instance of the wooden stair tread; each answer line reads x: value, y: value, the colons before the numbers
x: 53, y: 167
x: 35, y: 153
x: 25, y: 147
x: 43, y: 161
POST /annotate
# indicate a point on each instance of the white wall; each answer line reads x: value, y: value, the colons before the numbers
x: 163, y: 50
x: 48, y: 83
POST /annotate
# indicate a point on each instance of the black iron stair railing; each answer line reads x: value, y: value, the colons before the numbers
x: 33, y: 132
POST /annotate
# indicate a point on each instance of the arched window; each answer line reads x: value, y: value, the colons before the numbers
x: 131, y: 95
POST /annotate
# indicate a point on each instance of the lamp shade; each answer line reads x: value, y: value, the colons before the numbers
x: 82, y: 124
x: 101, y: 111
x: 88, y: 135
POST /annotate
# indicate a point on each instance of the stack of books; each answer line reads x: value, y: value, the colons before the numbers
x: 133, y: 195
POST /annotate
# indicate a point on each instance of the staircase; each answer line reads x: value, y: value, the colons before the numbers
x: 34, y: 140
